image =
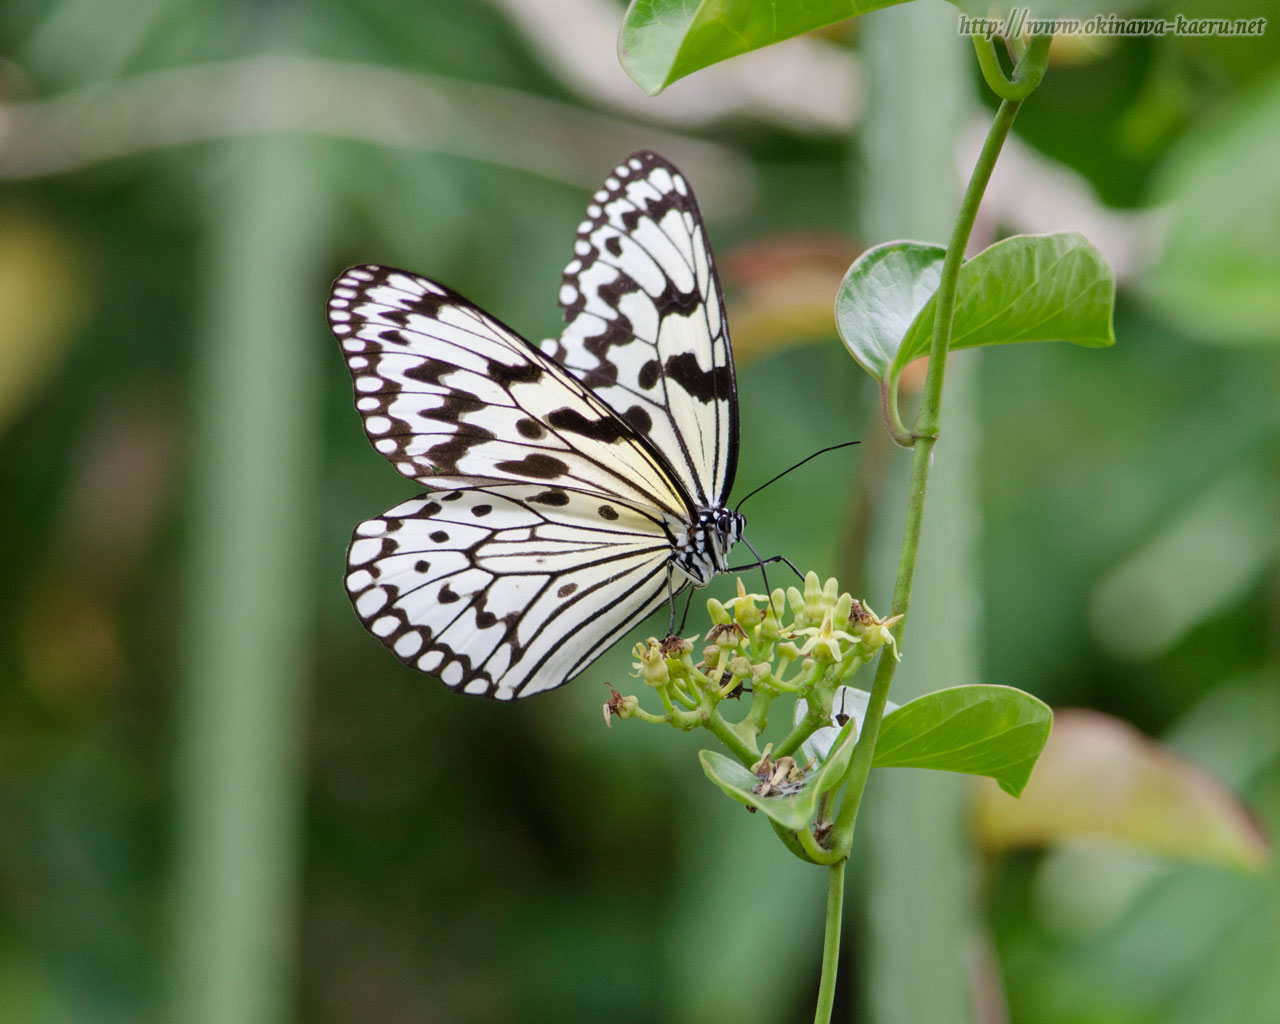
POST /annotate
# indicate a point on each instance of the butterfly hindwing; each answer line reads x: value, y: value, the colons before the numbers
x: 505, y: 590
x: 646, y: 328
x: 450, y: 395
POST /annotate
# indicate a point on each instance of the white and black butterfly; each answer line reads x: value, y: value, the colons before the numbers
x: 573, y: 489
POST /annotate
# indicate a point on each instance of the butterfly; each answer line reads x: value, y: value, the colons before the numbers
x: 573, y: 487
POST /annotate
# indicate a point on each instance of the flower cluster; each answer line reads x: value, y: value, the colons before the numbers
x: 805, y: 643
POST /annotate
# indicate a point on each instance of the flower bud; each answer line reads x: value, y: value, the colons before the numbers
x: 651, y: 664
x: 843, y: 609
x: 717, y: 612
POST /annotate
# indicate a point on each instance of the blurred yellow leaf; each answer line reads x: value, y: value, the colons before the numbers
x: 782, y: 292
x: 1100, y: 778
x: 44, y: 301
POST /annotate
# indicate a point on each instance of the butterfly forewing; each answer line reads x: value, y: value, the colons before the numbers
x: 646, y: 329
x: 506, y: 590
x: 451, y: 395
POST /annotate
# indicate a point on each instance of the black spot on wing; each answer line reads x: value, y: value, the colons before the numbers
x: 602, y: 376
x: 429, y: 371
x: 508, y: 374
x: 639, y: 420
x: 609, y: 430
x: 446, y: 455
x: 427, y: 304
x: 535, y: 467
x: 704, y: 385
x: 607, y: 512
x: 551, y: 497
x: 530, y: 428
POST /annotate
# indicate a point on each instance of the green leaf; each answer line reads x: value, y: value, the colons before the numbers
x: 664, y: 40
x: 794, y: 808
x: 882, y: 293
x: 996, y: 731
x: 1025, y: 288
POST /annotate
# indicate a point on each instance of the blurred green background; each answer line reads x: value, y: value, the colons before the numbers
x: 221, y: 800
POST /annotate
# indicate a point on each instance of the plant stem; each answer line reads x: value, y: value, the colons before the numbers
x: 757, y: 719
x: 725, y: 733
x: 889, y: 410
x: 926, y: 434
x: 1027, y: 74
x: 814, y: 719
x: 816, y: 852
x: 831, y: 944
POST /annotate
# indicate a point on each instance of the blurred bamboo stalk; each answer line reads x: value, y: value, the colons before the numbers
x: 241, y: 708
x: 919, y: 940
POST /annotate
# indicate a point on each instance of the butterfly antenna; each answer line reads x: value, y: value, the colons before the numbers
x: 821, y: 451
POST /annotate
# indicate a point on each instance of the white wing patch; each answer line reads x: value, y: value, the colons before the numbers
x: 646, y: 329
x: 498, y: 593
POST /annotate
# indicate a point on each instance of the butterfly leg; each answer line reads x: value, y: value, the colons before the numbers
x: 671, y: 603
x: 761, y: 563
x: 687, y: 605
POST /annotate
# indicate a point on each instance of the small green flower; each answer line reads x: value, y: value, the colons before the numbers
x: 650, y: 664
x: 826, y: 643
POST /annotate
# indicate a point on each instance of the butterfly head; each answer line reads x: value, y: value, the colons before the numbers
x: 704, y: 550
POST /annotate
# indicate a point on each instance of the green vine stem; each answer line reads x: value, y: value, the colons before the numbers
x: 1027, y: 75
x: 902, y: 437
x: 926, y: 432
x: 830, y: 943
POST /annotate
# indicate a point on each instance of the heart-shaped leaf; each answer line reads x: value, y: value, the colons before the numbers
x: 664, y: 40
x: 996, y: 731
x: 881, y: 295
x: 1025, y: 288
